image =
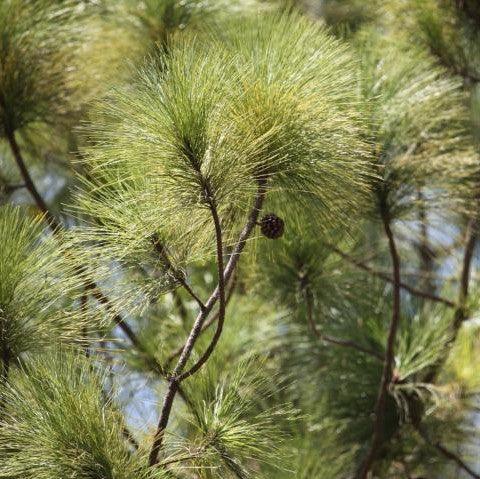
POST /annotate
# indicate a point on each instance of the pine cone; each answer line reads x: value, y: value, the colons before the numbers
x: 272, y: 226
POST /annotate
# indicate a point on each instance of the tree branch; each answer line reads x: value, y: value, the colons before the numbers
x: 207, y: 323
x: 90, y: 284
x: 446, y: 452
x: 222, y: 301
x: 29, y: 184
x: 160, y: 248
x: 224, y: 277
x: 380, y: 406
x: 9, y: 189
x: 471, y: 241
x: 386, y: 277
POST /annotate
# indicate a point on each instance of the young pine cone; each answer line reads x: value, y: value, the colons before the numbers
x: 272, y: 226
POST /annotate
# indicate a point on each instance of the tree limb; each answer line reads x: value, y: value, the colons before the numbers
x: 380, y: 406
x: 202, y: 316
x: 207, y: 323
x: 29, y: 184
x: 446, y: 452
x: 471, y: 241
x: 388, y: 278
x: 89, y: 283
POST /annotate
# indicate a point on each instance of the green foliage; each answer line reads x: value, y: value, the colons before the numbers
x: 347, y: 16
x: 160, y: 152
x: 233, y: 97
x: 229, y: 421
x: 300, y: 267
x: 57, y: 425
x: 39, y: 290
x: 419, y: 122
x: 450, y: 29
x: 38, y: 46
x: 317, y: 452
x: 159, y: 20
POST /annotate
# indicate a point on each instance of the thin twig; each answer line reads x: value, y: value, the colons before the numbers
x: 222, y: 301
x: 206, y: 325
x: 177, y: 377
x: 42, y: 206
x: 9, y: 189
x: 57, y: 227
x: 89, y: 283
x: 178, y: 276
x: 471, y: 241
x: 380, y: 406
x: 202, y: 316
x: 416, y: 292
x: 446, y: 452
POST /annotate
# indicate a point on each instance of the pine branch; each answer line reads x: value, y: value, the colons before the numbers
x: 202, y: 316
x: 222, y: 300
x: 90, y: 284
x: 446, y: 452
x: 471, y: 240
x: 388, y: 278
x: 57, y: 227
x: 160, y: 248
x: 380, y: 406
x: 30, y: 185
x: 10, y: 188
x: 207, y: 323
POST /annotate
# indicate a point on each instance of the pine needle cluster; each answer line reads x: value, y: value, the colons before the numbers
x: 40, y: 289
x: 56, y: 424
x: 160, y: 154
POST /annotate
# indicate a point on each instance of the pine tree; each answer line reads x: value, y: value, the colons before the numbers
x: 237, y: 239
